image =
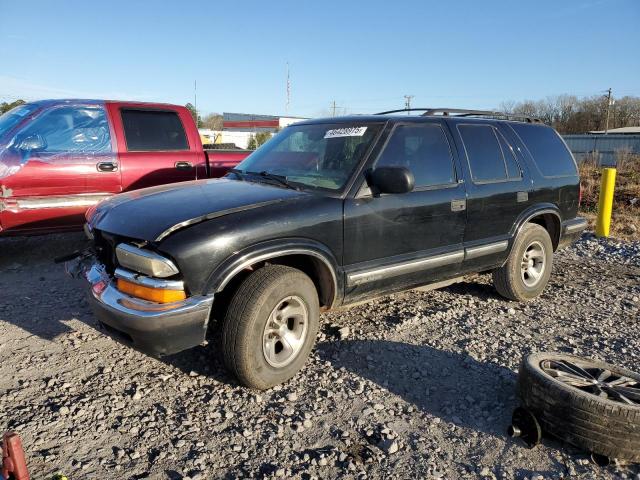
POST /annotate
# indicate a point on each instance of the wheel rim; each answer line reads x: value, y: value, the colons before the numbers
x: 600, y: 382
x: 285, y: 331
x: 533, y: 264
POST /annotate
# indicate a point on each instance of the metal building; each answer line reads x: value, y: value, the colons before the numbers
x: 606, y: 148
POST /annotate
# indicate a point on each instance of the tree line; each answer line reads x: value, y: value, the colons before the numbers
x: 570, y: 114
x: 566, y: 113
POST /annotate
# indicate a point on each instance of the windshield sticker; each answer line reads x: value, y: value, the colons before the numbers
x: 345, y: 132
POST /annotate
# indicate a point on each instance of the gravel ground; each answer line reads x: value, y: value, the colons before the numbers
x: 413, y: 385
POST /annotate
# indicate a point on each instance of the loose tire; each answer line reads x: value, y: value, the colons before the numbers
x: 527, y: 270
x: 565, y: 395
x: 270, y: 326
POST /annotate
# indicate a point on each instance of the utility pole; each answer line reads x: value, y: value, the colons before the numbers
x: 286, y: 108
x: 609, y: 103
x: 407, y: 102
x: 333, y: 108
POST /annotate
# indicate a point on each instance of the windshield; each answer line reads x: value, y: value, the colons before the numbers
x: 10, y: 119
x: 315, y: 156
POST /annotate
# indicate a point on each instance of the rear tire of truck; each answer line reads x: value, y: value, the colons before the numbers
x: 527, y: 270
x: 270, y: 326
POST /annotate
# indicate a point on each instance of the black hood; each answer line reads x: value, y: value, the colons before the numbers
x: 153, y: 213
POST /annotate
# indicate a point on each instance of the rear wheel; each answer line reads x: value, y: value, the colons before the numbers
x: 270, y: 326
x: 528, y: 268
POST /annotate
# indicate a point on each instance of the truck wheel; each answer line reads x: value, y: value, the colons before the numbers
x: 589, y: 404
x: 527, y: 270
x: 270, y: 326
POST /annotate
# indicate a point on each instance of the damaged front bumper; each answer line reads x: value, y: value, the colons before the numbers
x: 153, y: 328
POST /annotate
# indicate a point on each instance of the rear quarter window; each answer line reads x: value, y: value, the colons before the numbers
x: 548, y: 150
x: 153, y: 131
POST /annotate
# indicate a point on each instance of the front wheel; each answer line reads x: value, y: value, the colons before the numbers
x: 270, y: 326
x: 528, y: 268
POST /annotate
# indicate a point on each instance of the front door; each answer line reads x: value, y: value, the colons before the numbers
x: 55, y: 158
x: 395, y: 241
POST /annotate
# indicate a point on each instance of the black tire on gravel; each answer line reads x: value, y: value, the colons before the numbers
x: 247, y: 315
x: 508, y: 279
x: 577, y: 415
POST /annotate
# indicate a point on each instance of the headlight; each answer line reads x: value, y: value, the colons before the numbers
x: 145, y: 261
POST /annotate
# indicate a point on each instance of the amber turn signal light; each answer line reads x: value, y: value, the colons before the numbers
x: 157, y: 295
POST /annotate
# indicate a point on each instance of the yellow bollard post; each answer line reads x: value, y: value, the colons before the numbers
x: 605, y: 202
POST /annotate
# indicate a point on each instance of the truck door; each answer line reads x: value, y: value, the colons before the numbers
x: 402, y: 240
x: 55, y: 156
x: 497, y: 188
x: 154, y: 146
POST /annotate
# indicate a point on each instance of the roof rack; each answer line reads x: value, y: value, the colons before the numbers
x: 445, y: 112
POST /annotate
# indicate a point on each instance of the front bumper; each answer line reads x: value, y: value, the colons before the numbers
x: 153, y: 328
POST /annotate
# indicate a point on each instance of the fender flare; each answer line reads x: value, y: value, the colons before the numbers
x: 534, y: 211
x: 229, y: 268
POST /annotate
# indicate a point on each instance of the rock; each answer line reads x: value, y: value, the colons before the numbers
x: 292, y: 396
x: 389, y: 446
x: 344, y: 332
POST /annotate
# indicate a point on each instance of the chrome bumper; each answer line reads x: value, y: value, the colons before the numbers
x: 575, y: 225
x: 154, y: 328
x: 571, y: 231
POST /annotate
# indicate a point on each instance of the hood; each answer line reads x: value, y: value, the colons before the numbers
x: 153, y: 213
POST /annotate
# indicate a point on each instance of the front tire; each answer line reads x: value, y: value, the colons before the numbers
x: 527, y: 270
x: 270, y: 326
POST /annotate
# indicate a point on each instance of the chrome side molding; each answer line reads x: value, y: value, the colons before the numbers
x: 488, y: 249
x: 405, y: 268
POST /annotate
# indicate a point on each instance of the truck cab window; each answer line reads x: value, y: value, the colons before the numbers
x: 423, y: 149
x: 153, y: 130
x: 68, y: 130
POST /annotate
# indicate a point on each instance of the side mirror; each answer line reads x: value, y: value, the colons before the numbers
x: 31, y: 142
x: 392, y: 180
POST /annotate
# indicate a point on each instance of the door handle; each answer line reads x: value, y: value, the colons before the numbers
x: 107, y: 166
x: 458, y: 205
x: 184, y: 165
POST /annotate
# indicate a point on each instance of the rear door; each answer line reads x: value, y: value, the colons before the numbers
x: 392, y: 241
x: 58, y: 153
x: 156, y: 145
x: 498, y: 188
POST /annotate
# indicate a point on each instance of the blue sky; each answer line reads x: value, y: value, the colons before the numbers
x: 365, y: 55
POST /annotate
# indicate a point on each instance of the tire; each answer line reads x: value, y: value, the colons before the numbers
x: 594, y: 424
x: 510, y: 281
x: 261, y: 299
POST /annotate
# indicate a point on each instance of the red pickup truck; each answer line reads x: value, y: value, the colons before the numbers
x: 59, y: 157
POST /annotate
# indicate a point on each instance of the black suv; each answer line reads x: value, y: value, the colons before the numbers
x: 330, y: 212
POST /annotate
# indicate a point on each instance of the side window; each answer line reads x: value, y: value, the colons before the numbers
x: 153, y: 130
x: 513, y: 169
x: 423, y: 149
x: 483, y: 152
x: 71, y: 130
x: 547, y: 149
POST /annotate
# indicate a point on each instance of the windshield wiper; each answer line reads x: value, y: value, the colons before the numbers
x: 239, y: 173
x: 281, y: 179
